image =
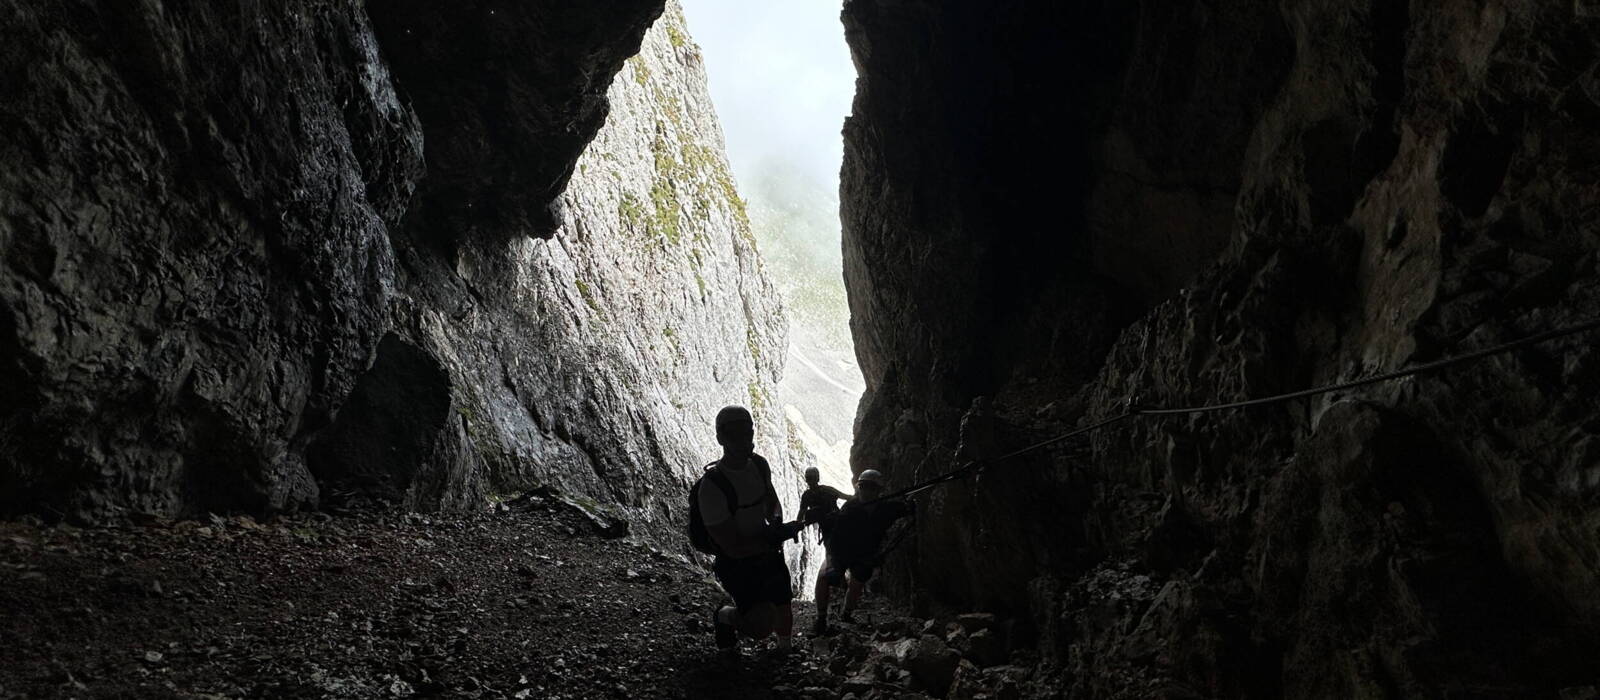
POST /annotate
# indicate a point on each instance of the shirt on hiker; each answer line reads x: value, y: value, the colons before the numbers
x: 858, y: 529
x: 750, y: 490
x: 819, y: 501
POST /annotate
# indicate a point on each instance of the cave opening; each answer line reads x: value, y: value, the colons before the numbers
x: 499, y: 263
x: 781, y: 83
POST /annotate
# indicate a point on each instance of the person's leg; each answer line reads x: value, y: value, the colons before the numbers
x: 725, y: 620
x: 826, y: 580
x: 852, y: 597
x: 757, y: 620
x: 752, y: 613
x: 780, y: 590
x: 859, y: 575
x: 784, y: 626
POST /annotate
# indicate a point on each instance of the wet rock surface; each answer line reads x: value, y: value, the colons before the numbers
x: 1234, y: 203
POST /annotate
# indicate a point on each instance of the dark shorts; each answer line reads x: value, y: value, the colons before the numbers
x: 833, y: 572
x: 763, y: 578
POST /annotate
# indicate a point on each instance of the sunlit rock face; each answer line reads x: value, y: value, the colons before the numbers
x: 1071, y: 207
x: 595, y: 360
x: 262, y: 257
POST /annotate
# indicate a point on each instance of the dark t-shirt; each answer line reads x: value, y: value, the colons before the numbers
x: 818, y: 502
x: 858, y: 529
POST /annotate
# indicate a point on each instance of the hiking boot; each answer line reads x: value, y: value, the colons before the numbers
x: 727, y: 637
x: 781, y: 647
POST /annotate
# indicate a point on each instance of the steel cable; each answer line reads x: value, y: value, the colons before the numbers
x: 973, y: 467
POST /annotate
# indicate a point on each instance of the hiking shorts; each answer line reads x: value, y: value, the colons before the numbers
x: 833, y: 572
x: 763, y: 578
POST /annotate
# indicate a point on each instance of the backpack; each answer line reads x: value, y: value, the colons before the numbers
x: 699, y: 537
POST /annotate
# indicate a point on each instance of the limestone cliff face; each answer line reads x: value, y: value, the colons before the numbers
x: 1068, y: 208
x: 259, y: 256
x: 595, y: 360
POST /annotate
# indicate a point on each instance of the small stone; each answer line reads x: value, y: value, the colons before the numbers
x: 857, y: 684
x: 972, y: 622
x: 153, y: 657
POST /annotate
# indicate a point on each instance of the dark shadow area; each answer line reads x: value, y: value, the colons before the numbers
x: 384, y: 435
x: 1474, y: 165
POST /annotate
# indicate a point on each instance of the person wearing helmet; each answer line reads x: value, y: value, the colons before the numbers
x: 853, y: 539
x: 746, y: 521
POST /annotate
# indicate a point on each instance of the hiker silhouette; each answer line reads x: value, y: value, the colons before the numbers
x: 852, y: 537
x: 743, y: 519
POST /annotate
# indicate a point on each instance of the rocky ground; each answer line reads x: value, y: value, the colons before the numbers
x: 535, y: 600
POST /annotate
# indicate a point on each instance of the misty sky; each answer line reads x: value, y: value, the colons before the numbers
x: 781, y: 79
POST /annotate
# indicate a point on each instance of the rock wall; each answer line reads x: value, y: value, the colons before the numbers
x: 260, y: 256
x: 595, y: 360
x: 195, y: 211
x: 1068, y: 208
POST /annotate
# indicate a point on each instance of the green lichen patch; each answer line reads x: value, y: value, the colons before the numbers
x: 630, y: 211
x: 589, y: 299
x: 665, y: 222
x: 676, y: 36
x: 671, y: 334
x: 641, y: 71
x: 791, y: 433
x: 667, y: 212
x: 753, y: 343
x: 758, y: 397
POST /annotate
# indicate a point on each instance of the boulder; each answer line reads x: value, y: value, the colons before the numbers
x: 985, y: 648
x: 932, y: 664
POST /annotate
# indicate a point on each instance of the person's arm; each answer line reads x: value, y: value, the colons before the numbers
x: 774, y: 506
x: 837, y: 494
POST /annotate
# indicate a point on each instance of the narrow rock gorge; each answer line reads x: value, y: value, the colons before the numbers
x: 1057, y: 211
x: 260, y: 258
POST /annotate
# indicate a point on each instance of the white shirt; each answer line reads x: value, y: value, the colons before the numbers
x: 750, y: 518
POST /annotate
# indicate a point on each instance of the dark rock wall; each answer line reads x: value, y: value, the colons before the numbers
x: 194, y: 214
x: 261, y: 254
x: 1067, y: 208
x: 508, y: 95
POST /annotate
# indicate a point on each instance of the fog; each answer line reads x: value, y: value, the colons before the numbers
x: 782, y: 82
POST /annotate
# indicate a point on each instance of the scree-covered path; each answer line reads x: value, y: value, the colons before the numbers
x: 528, y: 603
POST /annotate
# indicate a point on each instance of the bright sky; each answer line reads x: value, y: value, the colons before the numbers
x: 781, y: 79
